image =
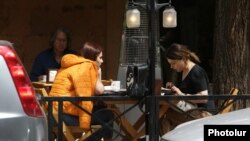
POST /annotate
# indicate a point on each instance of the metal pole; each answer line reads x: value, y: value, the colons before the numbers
x: 151, y: 102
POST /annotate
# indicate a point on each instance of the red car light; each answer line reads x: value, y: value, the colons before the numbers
x: 23, y: 85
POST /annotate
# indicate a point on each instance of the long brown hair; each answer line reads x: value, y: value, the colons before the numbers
x: 178, y: 52
x: 91, y: 50
x: 54, y: 35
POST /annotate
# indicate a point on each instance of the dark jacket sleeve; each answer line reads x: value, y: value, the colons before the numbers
x: 37, y: 69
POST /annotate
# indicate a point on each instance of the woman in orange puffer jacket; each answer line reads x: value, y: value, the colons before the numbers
x: 81, y: 76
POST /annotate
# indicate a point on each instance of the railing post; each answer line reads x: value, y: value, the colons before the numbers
x: 50, y: 121
x: 60, y: 120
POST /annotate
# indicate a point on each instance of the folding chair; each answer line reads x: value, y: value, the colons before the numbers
x: 226, y: 106
x: 69, y: 132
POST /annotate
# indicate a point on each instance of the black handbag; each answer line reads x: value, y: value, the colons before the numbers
x: 137, y: 79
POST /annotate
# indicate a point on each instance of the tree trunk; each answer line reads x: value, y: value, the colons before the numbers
x: 231, y: 46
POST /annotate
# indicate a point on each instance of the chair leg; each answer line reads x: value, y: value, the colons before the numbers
x: 87, y: 134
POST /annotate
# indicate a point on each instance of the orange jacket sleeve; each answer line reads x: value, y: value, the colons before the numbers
x: 84, y: 82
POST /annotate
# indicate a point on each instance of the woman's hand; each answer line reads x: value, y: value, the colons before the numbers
x: 169, y: 85
x: 174, y: 89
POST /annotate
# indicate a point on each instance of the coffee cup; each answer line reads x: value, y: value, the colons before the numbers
x: 42, y: 78
x: 116, y: 85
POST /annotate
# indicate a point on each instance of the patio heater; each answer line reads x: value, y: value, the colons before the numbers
x: 139, y: 45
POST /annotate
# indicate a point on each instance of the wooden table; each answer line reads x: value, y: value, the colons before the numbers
x: 48, y: 85
x: 45, y: 85
x: 136, y: 130
x: 132, y: 131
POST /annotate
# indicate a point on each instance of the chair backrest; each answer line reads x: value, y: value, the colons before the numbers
x: 228, y: 104
x: 42, y: 92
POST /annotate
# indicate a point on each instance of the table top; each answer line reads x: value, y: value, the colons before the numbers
x: 42, y: 84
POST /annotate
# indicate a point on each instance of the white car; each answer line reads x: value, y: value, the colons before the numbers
x: 194, y: 130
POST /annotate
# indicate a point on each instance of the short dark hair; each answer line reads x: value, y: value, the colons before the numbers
x: 54, y: 34
x: 91, y: 50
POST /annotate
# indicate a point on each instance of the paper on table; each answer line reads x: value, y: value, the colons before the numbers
x: 165, y: 91
x: 111, y: 88
x: 108, y: 88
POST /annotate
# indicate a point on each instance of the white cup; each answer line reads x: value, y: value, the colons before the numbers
x: 116, y: 85
x: 42, y: 78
